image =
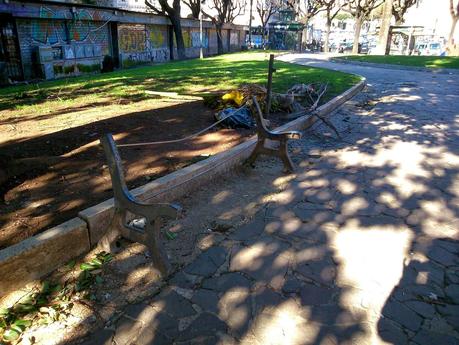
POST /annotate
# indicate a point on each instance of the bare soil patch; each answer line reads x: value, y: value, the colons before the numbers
x: 66, y: 169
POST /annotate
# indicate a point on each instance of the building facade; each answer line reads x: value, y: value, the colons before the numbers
x: 52, y: 39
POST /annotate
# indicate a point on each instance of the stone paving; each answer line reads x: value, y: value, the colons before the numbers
x: 360, y: 247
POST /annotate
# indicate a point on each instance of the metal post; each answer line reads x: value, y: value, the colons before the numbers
x: 201, y: 54
x: 271, y: 70
x: 250, y: 25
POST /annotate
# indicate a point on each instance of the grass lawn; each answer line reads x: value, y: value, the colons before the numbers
x: 417, y: 61
x: 186, y: 77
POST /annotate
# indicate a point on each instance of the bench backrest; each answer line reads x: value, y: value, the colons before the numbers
x: 120, y: 189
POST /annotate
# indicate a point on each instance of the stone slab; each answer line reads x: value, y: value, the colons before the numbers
x: 39, y: 255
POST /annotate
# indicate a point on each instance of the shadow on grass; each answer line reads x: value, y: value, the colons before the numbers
x: 190, y: 76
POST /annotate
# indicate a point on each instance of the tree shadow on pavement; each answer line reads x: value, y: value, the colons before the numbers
x: 423, y: 307
x: 333, y: 250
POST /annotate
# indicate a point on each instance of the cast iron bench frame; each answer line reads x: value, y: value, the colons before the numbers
x: 264, y: 133
x: 127, y: 205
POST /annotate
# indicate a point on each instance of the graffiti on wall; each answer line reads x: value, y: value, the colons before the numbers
x: 157, y: 38
x: 196, y: 39
x: 132, y: 38
x: 79, y: 25
x: 134, y: 59
x: 142, y: 44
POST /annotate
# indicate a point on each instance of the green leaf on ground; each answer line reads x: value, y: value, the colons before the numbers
x: 87, y: 267
x: 170, y: 235
x: 71, y: 264
x: 23, y: 323
x: 24, y: 308
x: 11, y: 335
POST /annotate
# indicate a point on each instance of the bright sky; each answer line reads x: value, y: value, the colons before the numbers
x: 429, y: 13
x: 433, y: 14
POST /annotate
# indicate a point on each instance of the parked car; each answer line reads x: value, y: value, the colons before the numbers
x: 345, y: 47
x: 257, y: 42
x: 432, y: 48
x: 364, y: 48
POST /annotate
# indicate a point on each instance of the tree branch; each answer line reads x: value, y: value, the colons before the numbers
x: 154, y: 8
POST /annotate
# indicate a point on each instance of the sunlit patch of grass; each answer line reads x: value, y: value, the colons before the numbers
x: 417, y: 61
x: 222, y: 72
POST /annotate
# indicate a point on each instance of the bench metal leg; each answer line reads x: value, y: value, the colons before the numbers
x: 283, y: 154
x: 153, y: 242
x: 108, y: 241
x: 256, y: 152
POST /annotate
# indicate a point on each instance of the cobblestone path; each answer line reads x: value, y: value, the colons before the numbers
x: 360, y: 246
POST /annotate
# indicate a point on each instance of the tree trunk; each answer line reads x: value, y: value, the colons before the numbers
x: 383, y: 39
x: 358, y: 27
x: 327, y: 36
x: 177, y: 25
x: 219, y: 38
x: 304, y: 37
x: 451, y: 33
x: 264, y: 36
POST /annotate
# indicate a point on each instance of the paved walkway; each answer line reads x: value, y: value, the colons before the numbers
x: 360, y: 247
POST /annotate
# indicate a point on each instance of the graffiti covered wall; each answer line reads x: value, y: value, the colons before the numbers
x: 212, y: 49
x: 140, y: 44
x: 235, y: 43
x: 77, y: 44
x: 59, y: 40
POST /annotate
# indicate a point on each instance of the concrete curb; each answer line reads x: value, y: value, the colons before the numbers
x: 39, y: 255
x: 396, y: 67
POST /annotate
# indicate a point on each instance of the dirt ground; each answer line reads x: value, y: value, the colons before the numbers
x: 70, y: 174
x: 235, y: 198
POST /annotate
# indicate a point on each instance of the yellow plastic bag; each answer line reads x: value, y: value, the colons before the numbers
x: 235, y: 96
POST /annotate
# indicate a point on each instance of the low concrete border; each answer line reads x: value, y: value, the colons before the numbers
x: 39, y: 255
x: 396, y: 67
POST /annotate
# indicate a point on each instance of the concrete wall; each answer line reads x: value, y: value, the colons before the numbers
x: 62, y: 40
x: 71, y: 47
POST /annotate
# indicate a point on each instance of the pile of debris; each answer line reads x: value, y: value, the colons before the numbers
x: 299, y: 99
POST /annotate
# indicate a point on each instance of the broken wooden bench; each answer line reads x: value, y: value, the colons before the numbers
x: 128, y: 207
x: 263, y: 134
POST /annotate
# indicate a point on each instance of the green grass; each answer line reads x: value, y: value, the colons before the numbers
x: 417, y: 61
x: 185, y: 77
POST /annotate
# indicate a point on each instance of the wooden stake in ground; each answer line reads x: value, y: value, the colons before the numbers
x: 271, y: 70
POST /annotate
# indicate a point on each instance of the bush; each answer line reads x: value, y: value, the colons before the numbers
x: 108, y: 65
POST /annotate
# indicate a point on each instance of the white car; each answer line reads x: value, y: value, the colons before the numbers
x: 430, y: 49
